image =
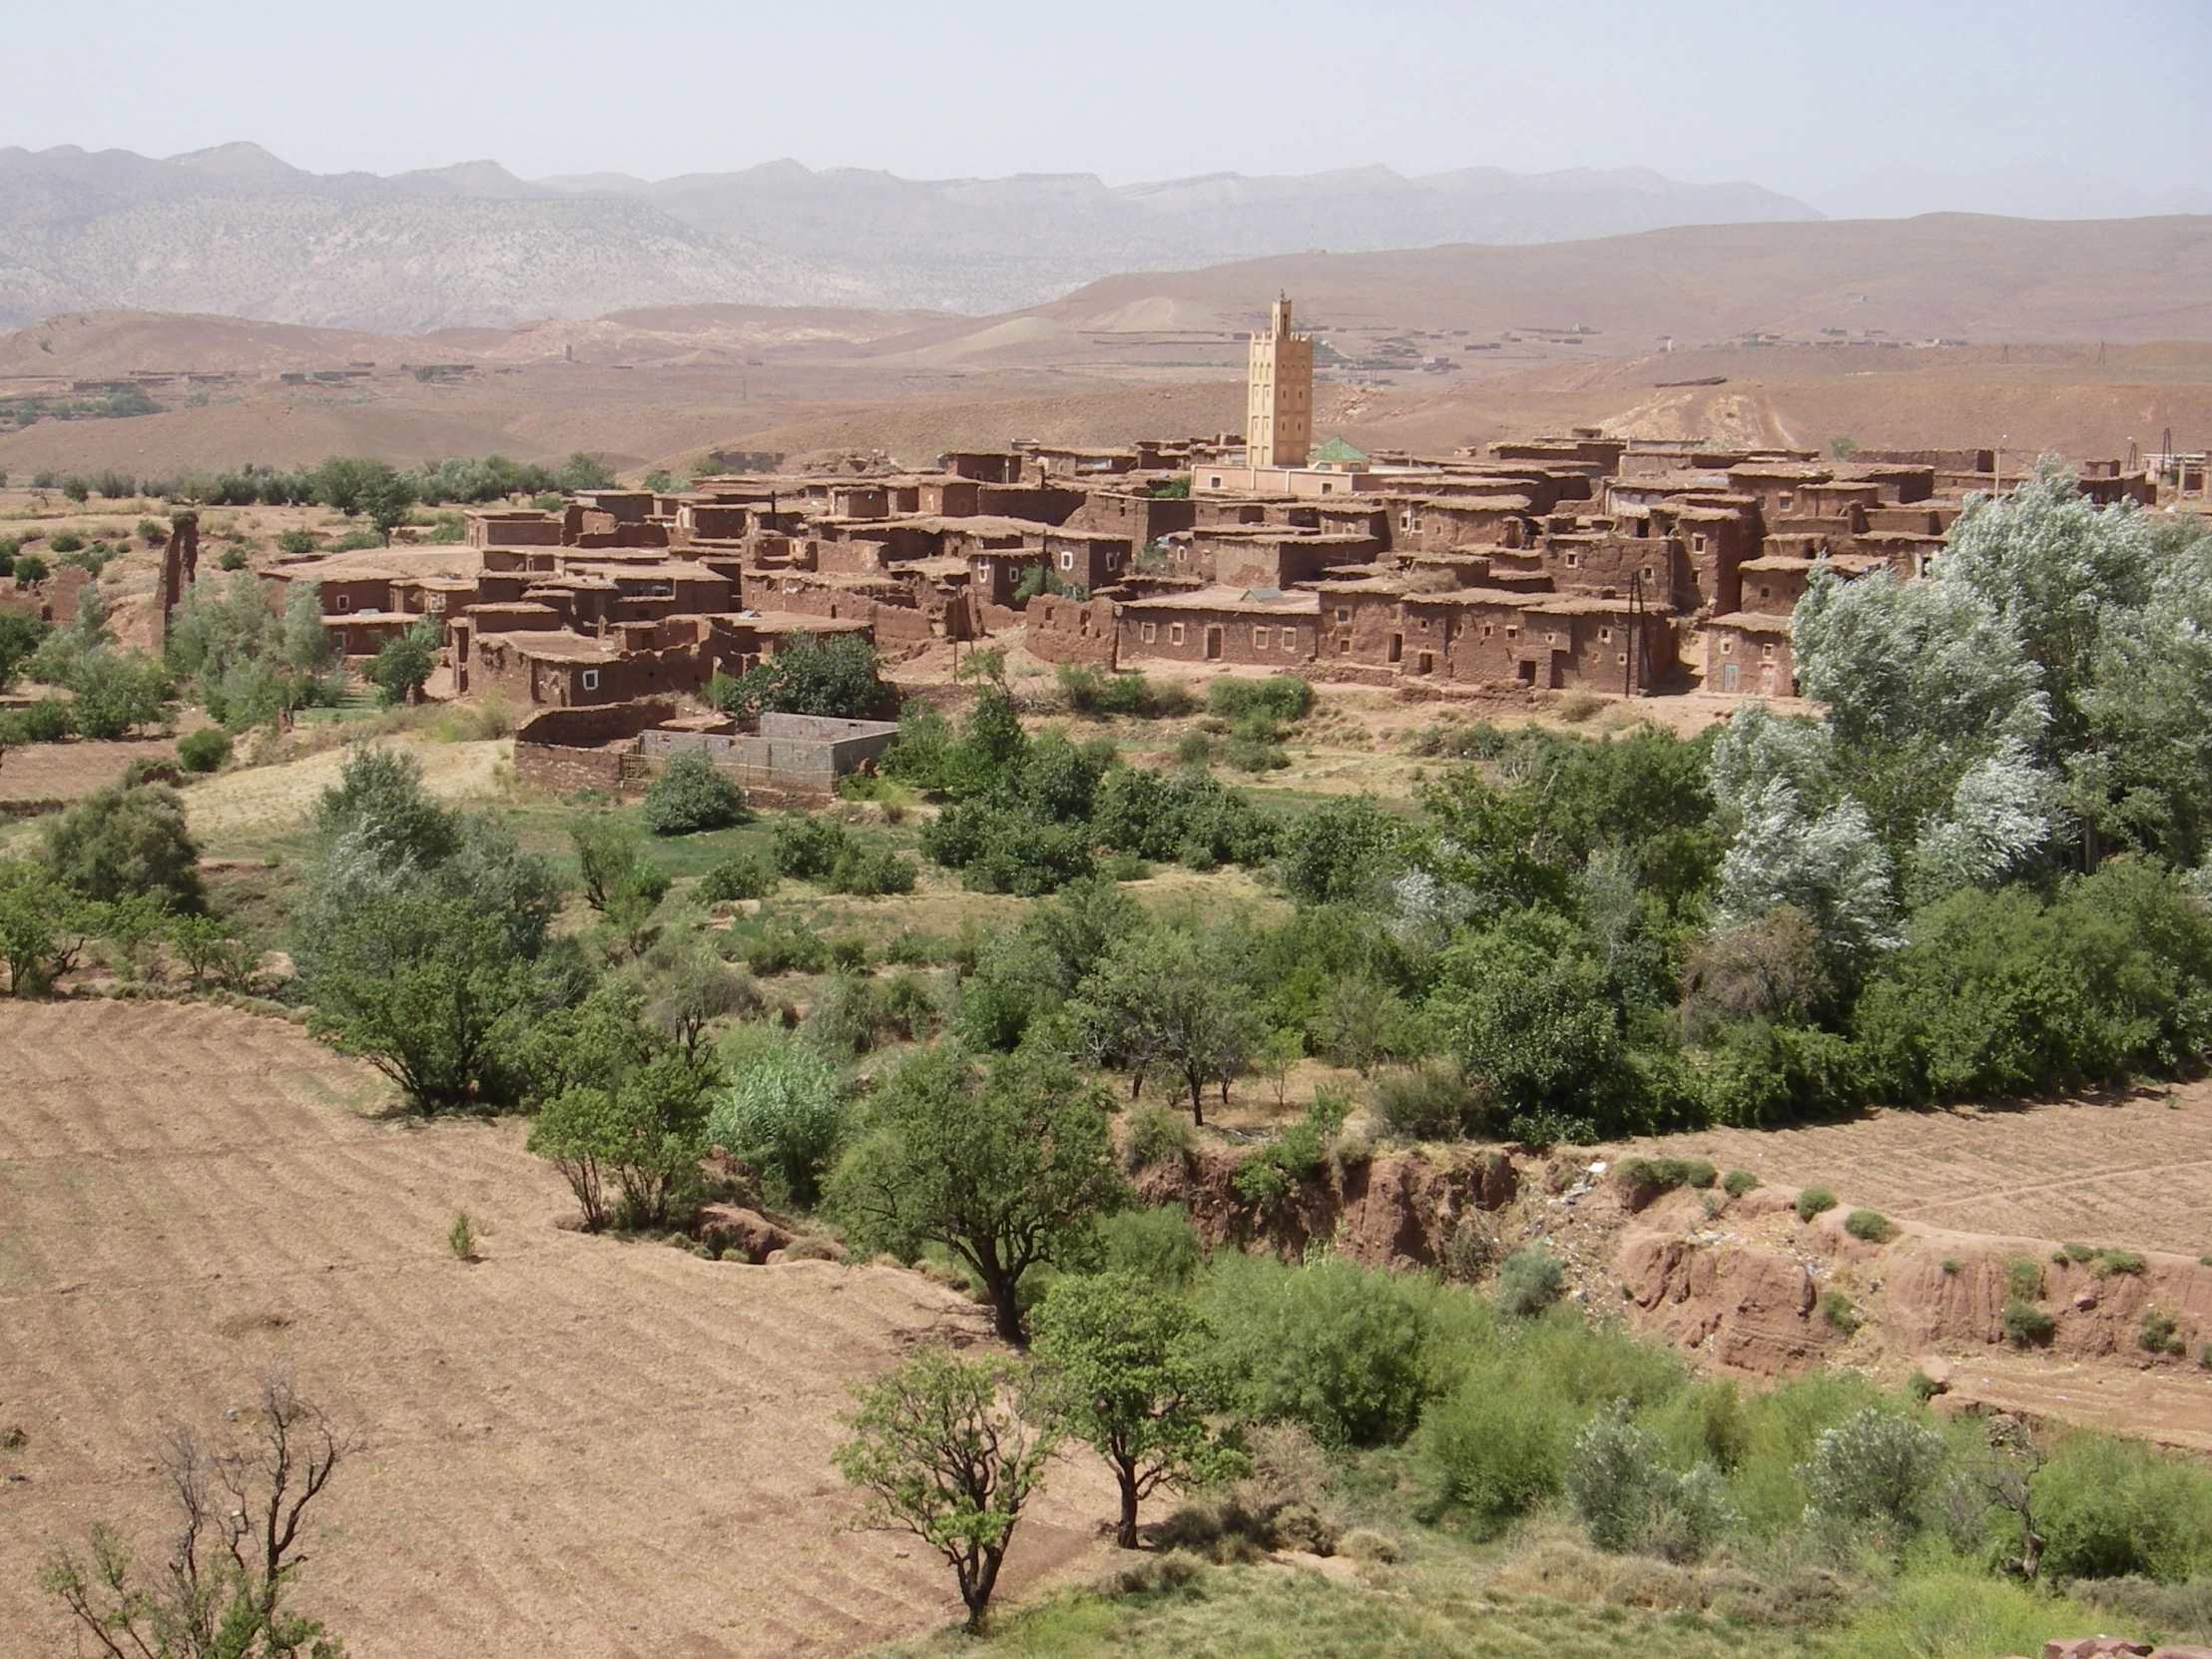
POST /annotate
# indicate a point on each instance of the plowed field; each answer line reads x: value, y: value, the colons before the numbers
x: 572, y: 1447
x: 2134, y: 1171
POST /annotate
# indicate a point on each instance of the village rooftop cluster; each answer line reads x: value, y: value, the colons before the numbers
x: 1588, y: 560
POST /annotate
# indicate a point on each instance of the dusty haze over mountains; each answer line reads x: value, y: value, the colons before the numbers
x: 236, y: 229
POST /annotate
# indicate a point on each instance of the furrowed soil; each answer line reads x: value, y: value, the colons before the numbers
x: 572, y: 1446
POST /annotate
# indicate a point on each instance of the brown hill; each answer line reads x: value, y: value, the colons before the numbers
x: 1943, y: 275
x: 104, y: 344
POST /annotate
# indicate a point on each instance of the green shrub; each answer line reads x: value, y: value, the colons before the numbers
x: 1836, y: 1308
x: 2108, y: 1262
x: 1155, y: 1242
x: 67, y: 541
x: 1628, y: 1498
x: 2074, y: 1253
x: 1102, y: 696
x: 233, y: 558
x: 1424, y: 1103
x: 783, y: 1114
x: 1644, y: 1179
x: 1876, y: 1468
x: 1338, y: 1349
x: 2159, y: 1334
x: 1279, y: 697
x: 1153, y: 1139
x: 1531, y: 1280
x: 2111, y: 1506
x: 206, y: 750
x: 807, y: 847
x: 741, y: 876
x: 46, y: 721
x: 2026, y: 1325
x: 295, y: 543
x: 1814, y: 1201
x: 1493, y: 1451
x: 30, y: 569
x: 1738, y: 1182
x: 1870, y: 1227
x: 1921, y: 1387
x: 122, y: 842
x: 2023, y: 1279
x: 1958, y: 1613
x: 784, y: 945
x: 691, y: 795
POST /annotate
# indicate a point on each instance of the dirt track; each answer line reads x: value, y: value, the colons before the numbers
x: 572, y: 1447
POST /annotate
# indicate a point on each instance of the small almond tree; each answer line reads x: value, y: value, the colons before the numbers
x: 940, y: 1449
x: 239, y: 1512
x: 1123, y: 1366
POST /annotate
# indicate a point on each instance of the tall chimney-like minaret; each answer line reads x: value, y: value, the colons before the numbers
x: 1279, y: 394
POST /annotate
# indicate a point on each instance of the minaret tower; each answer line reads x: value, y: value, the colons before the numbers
x: 1279, y: 394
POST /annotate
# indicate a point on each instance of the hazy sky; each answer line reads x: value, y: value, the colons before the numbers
x: 1812, y: 99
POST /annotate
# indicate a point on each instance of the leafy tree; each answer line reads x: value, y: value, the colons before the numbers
x: 388, y: 501
x: 644, y: 1134
x: 939, y: 1450
x: 782, y: 1113
x: 240, y: 1512
x: 398, y: 669
x: 20, y: 638
x: 813, y: 675
x: 206, y: 750
x: 1124, y: 1368
x: 35, y: 912
x: 1338, y: 851
x: 620, y: 882
x: 381, y: 799
x: 690, y: 795
x: 1163, y: 997
x: 1007, y: 1171
x: 124, y: 840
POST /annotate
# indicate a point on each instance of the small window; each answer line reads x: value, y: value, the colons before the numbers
x: 1212, y: 483
x: 1259, y: 639
x: 591, y: 679
x: 1573, y: 559
x: 1344, y: 613
x: 1398, y: 648
x: 1766, y: 653
x: 1728, y: 647
x: 1343, y: 647
x: 1621, y: 657
x: 1606, y: 635
x: 341, y: 604
x: 1697, y: 542
x: 1175, y: 632
x: 1148, y: 632
x: 1784, y: 500
x: 1067, y: 558
x: 1761, y: 593
x: 1289, y: 639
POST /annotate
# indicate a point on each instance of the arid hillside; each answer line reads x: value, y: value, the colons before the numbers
x: 572, y: 1446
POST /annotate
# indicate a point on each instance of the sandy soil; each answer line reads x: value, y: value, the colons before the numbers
x: 573, y: 1446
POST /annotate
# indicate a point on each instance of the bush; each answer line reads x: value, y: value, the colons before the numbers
x: 2159, y: 1334
x: 1870, y: 1227
x: 46, y: 721
x: 67, y: 541
x: 1531, y: 1280
x: 1630, y: 1500
x: 2107, y: 1261
x: 206, y: 750
x: 123, y: 842
x: 1086, y: 691
x: 691, y: 795
x: 1836, y: 1308
x: 1424, y: 1103
x: 783, y: 1114
x: 1279, y: 697
x: 1814, y: 1201
x: 784, y: 945
x: 1335, y: 1348
x: 2109, y: 1507
x: 1154, y: 1139
x: 1877, y: 1469
x: 2026, y: 1325
x: 1493, y: 1451
x: 1738, y: 1182
x: 741, y: 876
x: 294, y: 543
x: 1156, y: 1242
x: 30, y: 569
x: 2023, y: 1279
x: 1644, y: 1179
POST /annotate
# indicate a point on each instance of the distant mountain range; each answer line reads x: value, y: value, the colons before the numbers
x: 237, y: 231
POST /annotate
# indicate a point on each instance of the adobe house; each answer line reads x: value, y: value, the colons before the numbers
x: 1357, y: 618
x: 1064, y: 630
x: 364, y: 633
x: 1087, y: 559
x: 1747, y: 654
x: 1258, y: 626
x: 1140, y: 518
x: 1773, y: 586
x: 1267, y: 556
x: 985, y: 466
x: 1438, y: 523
